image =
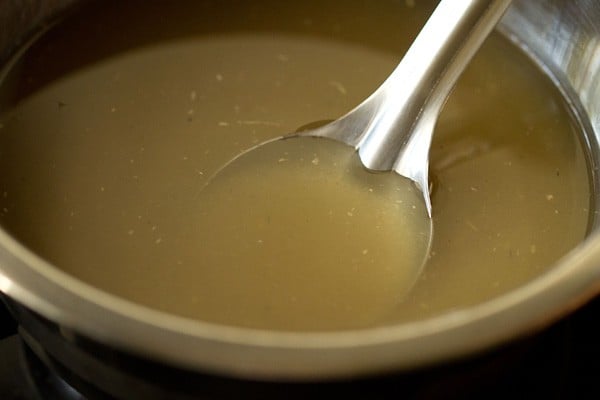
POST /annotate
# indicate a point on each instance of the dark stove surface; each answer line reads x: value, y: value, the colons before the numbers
x: 561, y: 362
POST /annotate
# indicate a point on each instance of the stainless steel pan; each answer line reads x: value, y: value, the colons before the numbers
x: 76, y: 325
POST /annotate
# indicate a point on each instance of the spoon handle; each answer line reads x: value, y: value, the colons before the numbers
x: 410, y: 100
x: 392, y: 129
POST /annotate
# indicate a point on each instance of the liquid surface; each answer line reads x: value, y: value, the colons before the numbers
x: 103, y: 155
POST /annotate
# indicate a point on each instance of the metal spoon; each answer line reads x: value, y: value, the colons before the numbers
x: 393, y: 128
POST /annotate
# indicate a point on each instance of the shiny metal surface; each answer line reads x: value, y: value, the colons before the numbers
x: 392, y: 129
x: 564, y: 35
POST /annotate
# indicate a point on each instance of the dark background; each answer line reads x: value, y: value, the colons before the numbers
x: 563, y: 361
x: 7, y: 325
